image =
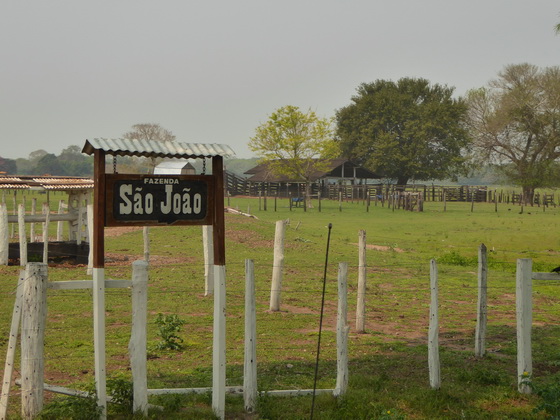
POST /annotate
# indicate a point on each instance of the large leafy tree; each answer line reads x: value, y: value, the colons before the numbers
x: 515, y: 122
x: 75, y: 162
x: 7, y: 166
x: 295, y: 144
x: 49, y: 165
x: 405, y: 130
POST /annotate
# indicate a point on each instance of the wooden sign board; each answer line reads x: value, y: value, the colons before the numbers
x: 145, y: 200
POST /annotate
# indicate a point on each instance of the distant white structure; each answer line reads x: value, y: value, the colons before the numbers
x: 175, y: 167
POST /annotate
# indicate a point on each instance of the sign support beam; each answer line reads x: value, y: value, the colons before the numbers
x: 219, y: 347
x: 99, y: 280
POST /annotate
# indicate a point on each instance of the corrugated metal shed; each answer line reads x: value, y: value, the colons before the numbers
x: 62, y: 183
x: 152, y: 148
x: 174, y: 167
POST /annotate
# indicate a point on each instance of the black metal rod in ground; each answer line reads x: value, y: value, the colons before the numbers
x: 321, y: 321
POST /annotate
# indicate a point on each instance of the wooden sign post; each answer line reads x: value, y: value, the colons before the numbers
x: 146, y: 200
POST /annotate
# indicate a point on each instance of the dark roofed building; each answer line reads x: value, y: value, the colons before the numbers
x: 341, y: 168
x: 339, y: 171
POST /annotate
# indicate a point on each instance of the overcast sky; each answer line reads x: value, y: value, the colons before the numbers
x: 212, y: 71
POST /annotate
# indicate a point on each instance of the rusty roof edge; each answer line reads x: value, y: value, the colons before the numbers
x: 152, y: 148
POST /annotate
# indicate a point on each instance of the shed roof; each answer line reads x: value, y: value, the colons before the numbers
x: 153, y: 148
x: 51, y: 183
x: 337, y: 168
x: 175, y: 164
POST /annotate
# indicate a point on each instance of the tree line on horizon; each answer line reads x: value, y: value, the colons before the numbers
x: 405, y: 130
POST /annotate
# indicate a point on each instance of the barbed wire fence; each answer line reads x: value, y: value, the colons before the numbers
x: 397, y: 309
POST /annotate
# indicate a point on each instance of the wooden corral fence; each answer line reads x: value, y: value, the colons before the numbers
x: 30, y: 310
x: 236, y: 185
x: 21, y: 198
x: 30, y: 244
x: 524, y: 318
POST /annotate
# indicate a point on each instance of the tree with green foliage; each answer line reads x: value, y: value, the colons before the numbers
x: 515, y: 123
x: 7, y: 166
x: 295, y: 144
x: 75, y: 162
x: 49, y: 165
x: 405, y: 130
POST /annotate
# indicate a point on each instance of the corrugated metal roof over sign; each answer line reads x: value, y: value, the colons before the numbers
x: 152, y: 148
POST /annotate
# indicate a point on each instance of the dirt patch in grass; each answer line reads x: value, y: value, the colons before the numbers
x: 381, y: 247
x: 245, y: 236
x: 114, y: 260
x: 121, y: 230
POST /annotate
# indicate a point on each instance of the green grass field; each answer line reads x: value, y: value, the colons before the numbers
x: 388, y: 364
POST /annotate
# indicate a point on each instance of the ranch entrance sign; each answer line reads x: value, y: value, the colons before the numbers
x: 146, y: 200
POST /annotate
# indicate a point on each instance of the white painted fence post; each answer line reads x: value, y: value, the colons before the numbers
x: 32, y: 236
x: 138, y: 338
x: 524, y: 313
x: 433, y: 330
x: 482, y: 308
x: 219, y: 343
x: 146, y: 237
x: 362, y: 272
x: 342, y: 330
x: 250, y: 359
x: 22, y: 236
x: 278, y: 266
x: 47, y: 213
x: 90, y: 238
x: 208, y: 247
x: 33, y: 320
x: 15, y: 210
x: 12, y: 343
x: 99, y: 338
x: 60, y: 225
x: 4, y: 235
x: 79, y: 228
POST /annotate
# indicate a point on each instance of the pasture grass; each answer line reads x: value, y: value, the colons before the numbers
x: 388, y: 364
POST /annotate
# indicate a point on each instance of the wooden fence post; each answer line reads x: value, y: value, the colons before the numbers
x: 34, y: 314
x: 32, y: 236
x: 15, y: 211
x: 137, y: 344
x: 90, y: 238
x: 47, y: 214
x: 219, y: 343
x: 250, y: 359
x: 60, y: 224
x: 342, y: 330
x: 99, y: 338
x: 278, y: 265
x: 146, y: 237
x: 362, y: 271
x: 433, y: 330
x: 524, y: 308
x: 208, y: 249
x: 481, y: 316
x: 4, y: 235
x: 22, y: 236
x: 12, y: 343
